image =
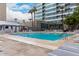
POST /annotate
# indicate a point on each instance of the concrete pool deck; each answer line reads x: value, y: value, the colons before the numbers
x: 52, y: 45
x: 15, y: 48
x: 16, y: 45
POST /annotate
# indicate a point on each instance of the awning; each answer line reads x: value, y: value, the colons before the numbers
x: 9, y: 23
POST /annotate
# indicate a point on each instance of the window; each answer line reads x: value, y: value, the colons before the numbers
x: 52, y: 9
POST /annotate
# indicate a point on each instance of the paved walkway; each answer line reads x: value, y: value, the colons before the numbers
x: 14, y: 48
x: 68, y: 49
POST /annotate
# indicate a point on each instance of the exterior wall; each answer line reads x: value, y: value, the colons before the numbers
x: 2, y: 11
x: 38, y: 13
x: 51, y: 12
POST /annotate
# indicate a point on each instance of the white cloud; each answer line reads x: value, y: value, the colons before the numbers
x: 15, y: 7
x: 11, y: 15
x: 25, y: 6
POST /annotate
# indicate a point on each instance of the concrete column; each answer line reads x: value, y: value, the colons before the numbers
x: 2, y: 28
x: 17, y: 28
x: 13, y: 28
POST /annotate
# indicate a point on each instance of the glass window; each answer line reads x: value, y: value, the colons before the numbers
x: 48, y: 14
x: 51, y: 5
x: 49, y: 10
x: 51, y: 17
x: 38, y: 16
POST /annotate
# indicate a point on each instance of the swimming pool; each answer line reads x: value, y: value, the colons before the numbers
x: 45, y: 36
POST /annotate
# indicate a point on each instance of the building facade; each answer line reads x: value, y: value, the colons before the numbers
x: 2, y: 11
x: 52, y: 14
x: 9, y: 26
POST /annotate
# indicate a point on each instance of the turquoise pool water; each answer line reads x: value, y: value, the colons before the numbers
x: 45, y: 36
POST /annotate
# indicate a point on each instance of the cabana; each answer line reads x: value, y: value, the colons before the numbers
x: 10, y: 26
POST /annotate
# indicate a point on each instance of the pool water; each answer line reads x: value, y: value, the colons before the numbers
x: 45, y: 36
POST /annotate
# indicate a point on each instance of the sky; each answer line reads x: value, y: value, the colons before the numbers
x: 19, y: 11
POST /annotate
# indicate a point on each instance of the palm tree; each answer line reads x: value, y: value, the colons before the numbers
x: 32, y: 11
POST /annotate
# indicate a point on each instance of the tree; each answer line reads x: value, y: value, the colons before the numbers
x: 32, y: 11
x: 73, y: 20
x: 76, y: 14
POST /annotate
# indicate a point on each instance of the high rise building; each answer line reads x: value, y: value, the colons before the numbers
x: 52, y: 14
x: 2, y: 11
